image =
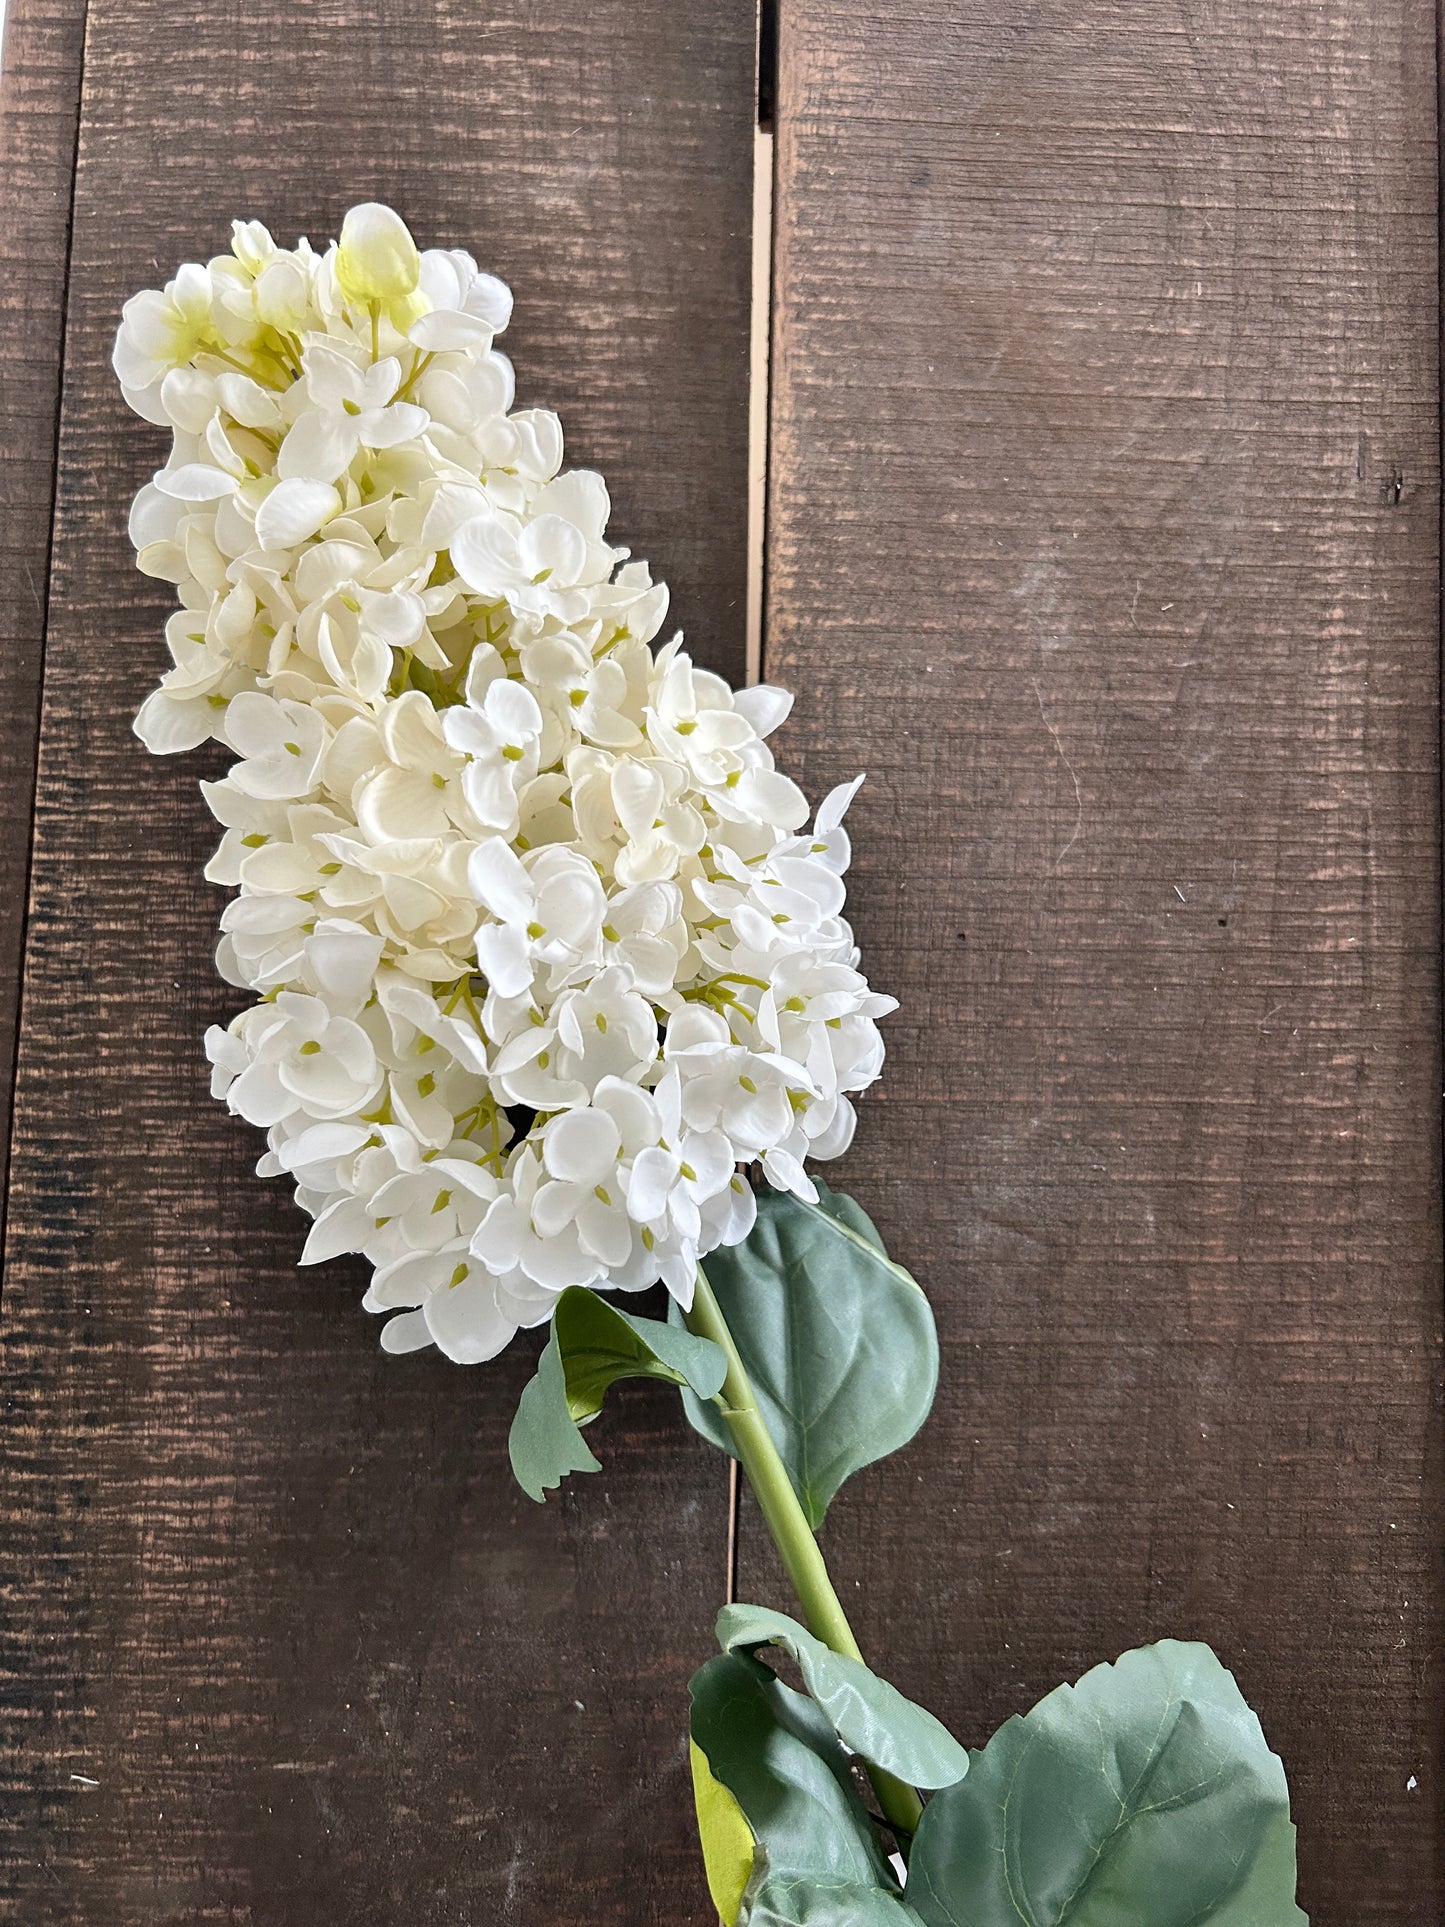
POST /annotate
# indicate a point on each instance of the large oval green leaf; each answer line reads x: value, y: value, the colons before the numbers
x: 1145, y: 1796
x: 869, y: 1716
x: 838, y: 1340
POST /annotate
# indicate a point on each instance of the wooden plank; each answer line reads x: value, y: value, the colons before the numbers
x: 39, y: 103
x: 275, y: 1595
x: 1104, y: 535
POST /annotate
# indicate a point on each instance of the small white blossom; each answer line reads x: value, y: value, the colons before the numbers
x: 499, y: 731
x: 588, y: 1154
x: 293, y: 1056
x: 162, y: 331
x: 464, y: 307
x: 548, y: 908
x: 352, y: 408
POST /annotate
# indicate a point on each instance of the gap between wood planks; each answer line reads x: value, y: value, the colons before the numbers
x: 41, y: 64
x: 757, y: 484
x: 759, y: 367
x: 759, y: 414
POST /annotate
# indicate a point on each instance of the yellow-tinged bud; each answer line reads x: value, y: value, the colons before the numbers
x: 377, y: 259
x: 252, y: 245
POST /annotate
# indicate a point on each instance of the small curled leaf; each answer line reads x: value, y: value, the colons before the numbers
x: 592, y: 1345
x: 869, y: 1716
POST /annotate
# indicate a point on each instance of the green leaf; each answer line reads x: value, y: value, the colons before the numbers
x: 1145, y: 1796
x: 816, y: 1859
x: 600, y: 1344
x: 544, y: 1443
x: 592, y: 1345
x: 851, y: 1215
x: 837, y: 1339
x: 727, y: 1839
x: 786, y: 1901
x: 868, y: 1715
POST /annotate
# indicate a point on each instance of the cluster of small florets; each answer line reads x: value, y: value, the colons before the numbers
x: 542, y: 945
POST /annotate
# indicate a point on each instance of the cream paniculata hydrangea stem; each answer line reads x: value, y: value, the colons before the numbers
x: 543, y: 947
x: 542, y: 951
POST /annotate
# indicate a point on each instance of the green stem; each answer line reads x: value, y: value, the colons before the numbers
x: 793, y: 1536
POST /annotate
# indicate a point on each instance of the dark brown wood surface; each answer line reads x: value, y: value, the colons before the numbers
x: 1104, y: 534
x: 1104, y: 524
x: 275, y: 1595
x: 39, y: 101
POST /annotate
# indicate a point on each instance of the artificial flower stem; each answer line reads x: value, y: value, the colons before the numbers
x: 801, y: 1555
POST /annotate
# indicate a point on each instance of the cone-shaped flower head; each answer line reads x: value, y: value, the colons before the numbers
x: 541, y: 945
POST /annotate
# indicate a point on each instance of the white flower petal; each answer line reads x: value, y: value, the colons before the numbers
x: 581, y: 1147
x: 389, y: 427
x: 168, y: 727
x: 834, y: 806
x: 343, y: 1226
x: 484, y: 554
x: 512, y: 708
x: 550, y: 548
x: 503, y: 954
x: 467, y: 1322
x: 195, y: 482
x: 499, y: 881
x: 654, y: 1173
x: 318, y: 447
x: 764, y: 706
x: 293, y: 511
x: 408, y: 1331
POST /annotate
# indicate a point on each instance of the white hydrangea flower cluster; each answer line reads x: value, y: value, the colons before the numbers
x: 542, y: 946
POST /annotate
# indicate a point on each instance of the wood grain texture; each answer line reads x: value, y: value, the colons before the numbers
x: 1104, y: 536
x: 276, y: 1595
x: 39, y: 100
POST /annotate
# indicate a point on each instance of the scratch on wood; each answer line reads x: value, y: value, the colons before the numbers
x: 1073, y: 777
